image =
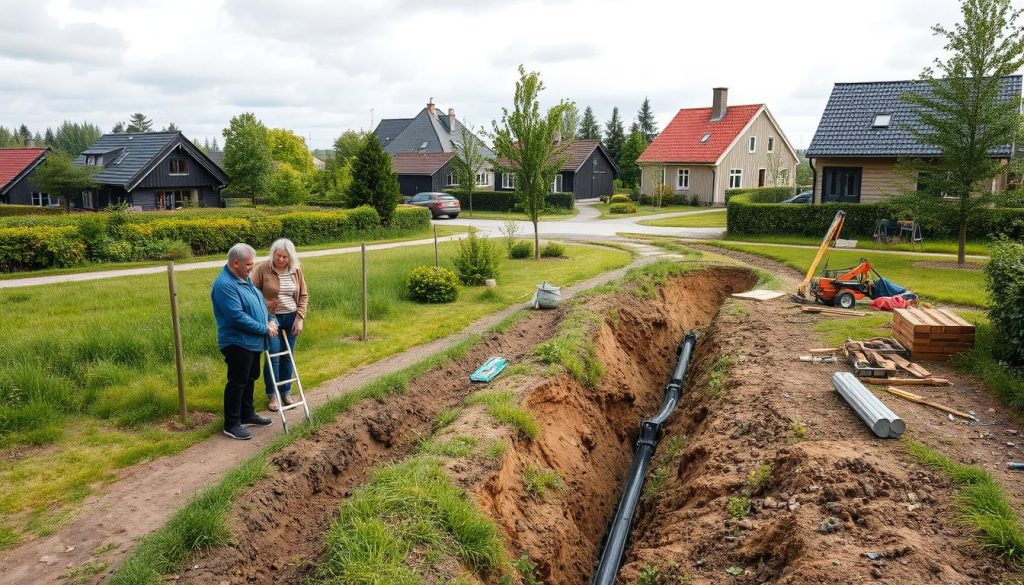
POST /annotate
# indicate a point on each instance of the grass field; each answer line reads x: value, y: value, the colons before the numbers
x: 936, y: 246
x: 964, y: 287
x: 641, y: 210
x: 710, y: 219
x: 88, y: 372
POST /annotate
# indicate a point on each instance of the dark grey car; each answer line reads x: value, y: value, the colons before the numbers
x: 438, y: 203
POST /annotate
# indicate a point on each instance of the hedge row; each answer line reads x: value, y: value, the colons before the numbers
x: 12, y: 210
x: 113, y: 237
x: 509, y: 200
x: 1005, y: 278
x: 747, y: 217
x: 762, y: 194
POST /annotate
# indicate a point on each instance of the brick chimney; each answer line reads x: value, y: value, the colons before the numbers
x: 451, y: 120
x: 430, y: 106
x: 720, y: 96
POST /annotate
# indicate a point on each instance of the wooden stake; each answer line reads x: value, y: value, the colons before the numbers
x: 436, y: 262
x: 179, y: 359
x: 362, y: 247
x: 909, y: 381
x: 915, y: 398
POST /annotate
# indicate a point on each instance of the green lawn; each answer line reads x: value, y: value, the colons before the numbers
x: 640, y: 210
x: 710, y: 219
x: 965, y: 287
x: 517, y: 215
x: 935, y: 246
x: 442, y: 230
x: 89, y: 372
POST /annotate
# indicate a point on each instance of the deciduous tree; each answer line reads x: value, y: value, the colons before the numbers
x: 570, y: 122
x: 374, y: 181
x: 524, y: 141
x: 287, y: 147
x: 247, y: 158
x: 469, y: 160
x: 347, y: 146
x: 287, y: 185
x: 59, y: 177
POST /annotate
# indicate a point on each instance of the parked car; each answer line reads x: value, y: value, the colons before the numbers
x: 802, y: 197
x: 438, y: 203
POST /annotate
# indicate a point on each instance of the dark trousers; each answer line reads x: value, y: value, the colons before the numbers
x: 243, y: 371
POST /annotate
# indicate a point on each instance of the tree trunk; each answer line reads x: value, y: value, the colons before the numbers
x: 960, y: 256
x: 536, y: 241
x: 470, y: 203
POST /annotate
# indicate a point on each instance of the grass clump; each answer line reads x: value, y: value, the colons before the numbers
x: 573, y: 347
x: 406, y: 507
x: 981, y: 503
x: 446, y: 417
x: 537, y: 482
x: 84, y: 573
x: 495, y: 450
x: 460, y: 446
x: 501, y: 406
x: 738, y: 506
x: 668, y: 575
x: 716, y: 375
x: 758, y: 479
x: 669, y: 450
x: 799, y: 430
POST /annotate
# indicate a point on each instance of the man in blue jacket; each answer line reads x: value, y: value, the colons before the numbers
x: 243, y: 327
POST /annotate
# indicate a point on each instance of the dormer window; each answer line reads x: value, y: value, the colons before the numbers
x: 94, y: 160
x: 881, y: 121
x: 179, y: 166
x: 705, y: 138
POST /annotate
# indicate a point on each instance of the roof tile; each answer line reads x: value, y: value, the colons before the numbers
x: 14, y: 160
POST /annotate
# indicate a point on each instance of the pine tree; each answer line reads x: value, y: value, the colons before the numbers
x: 614, y: 136
x: 138, y: 122
x: 24, y: 136
x: 645, y: 119
x: 73, y: 138
x: 48, y: 138
x: 629, y: 171
x: 118, y: 128
x: 374, y: 181
x: 589, y: 128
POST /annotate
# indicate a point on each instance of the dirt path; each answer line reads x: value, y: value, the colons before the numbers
x: 145, y: 495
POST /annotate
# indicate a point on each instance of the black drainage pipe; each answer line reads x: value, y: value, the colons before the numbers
x: 650, y: 433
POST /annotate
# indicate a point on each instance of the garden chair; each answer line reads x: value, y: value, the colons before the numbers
x: 910, y: 232
x: 886, y: 231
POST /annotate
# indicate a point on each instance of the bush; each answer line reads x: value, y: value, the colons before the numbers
x: 521, y: 249
x: 409, y: 218
x: 618, y: 198
x: 509, y: 200
x: 475, y: 260
x: 762, y: 194
x: 164, y: 249
x: 1004, y: 276
x: 553, y: 250
x: 622, y: 208
x: 1011, y: 199
x: 12, y: 210
x: 432, y: 284
x: 24, y: 248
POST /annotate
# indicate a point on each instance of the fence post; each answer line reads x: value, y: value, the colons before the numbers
x: 179, y: 359
x: 436, y: 262
x: 362, y: 246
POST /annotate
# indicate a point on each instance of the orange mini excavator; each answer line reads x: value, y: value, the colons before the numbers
x: 843, y: 287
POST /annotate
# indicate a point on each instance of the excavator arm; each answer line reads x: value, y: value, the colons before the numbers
x: 828, y: 241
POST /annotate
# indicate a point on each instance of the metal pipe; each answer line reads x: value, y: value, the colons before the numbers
x: 650, y: 434
x: 880, y: 418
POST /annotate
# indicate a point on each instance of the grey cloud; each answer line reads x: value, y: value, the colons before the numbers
x: 28, y: 32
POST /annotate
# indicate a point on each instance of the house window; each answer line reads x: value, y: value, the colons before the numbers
x: 881, y: 121
x: 508, y: 180
x: 735, y: 178
x: 179, y: 166
x: 94, y: 160
x: 840, y: 184
x: 170, y: 199
x: 87, y: 200
x: 451, y: 179
x: 683, y: 179
x: 41, y: 199
x: 481, y: 179
x: 752, y: 144
x: 556, y: 185
x: 783, y: 176
x: 771, y: 144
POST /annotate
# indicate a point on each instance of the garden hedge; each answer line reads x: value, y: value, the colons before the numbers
x: 11, y: 210
x: 748, y: 217
x: 1004, y: 275
x: 23, y: 248
x: 509, y: 200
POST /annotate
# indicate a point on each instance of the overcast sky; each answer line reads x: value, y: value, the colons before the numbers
x: 320, y: 67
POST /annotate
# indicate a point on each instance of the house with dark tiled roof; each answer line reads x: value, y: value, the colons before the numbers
x: 588, y: 173
x: 865, y: 129
x: 705, y: 151
x: 151, y: 170
x: 17, y: 166
x: 428, y: 133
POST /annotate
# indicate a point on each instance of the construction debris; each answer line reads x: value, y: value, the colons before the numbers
x: 932, y: 334
x: 920, y: 400
x: 877, y: 358
x: 832, y: 311
x: 880, y: 419
x: 910, y: 381
x: 759, y: 294
x: 819, y: 359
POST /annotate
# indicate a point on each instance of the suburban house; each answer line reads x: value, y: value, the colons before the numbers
x: 865, y: 130
x: 588, y: 173
x: 705, y: 151
x: 17, y: 165
x: 151, y: 170
x: 435, y: 139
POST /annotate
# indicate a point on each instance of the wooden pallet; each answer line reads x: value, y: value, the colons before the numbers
x: 932, y: 334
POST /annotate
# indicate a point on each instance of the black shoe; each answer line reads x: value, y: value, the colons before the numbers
x: 256, y: 421
x: 238, y: 432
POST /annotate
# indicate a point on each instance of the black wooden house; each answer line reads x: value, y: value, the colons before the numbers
x: 589, y: 172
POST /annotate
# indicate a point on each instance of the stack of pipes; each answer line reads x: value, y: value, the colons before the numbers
x: 880, y: 419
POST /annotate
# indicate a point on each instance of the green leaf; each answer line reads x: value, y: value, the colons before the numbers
x: 735, y: 571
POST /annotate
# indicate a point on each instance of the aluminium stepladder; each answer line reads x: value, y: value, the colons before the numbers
x: 281, y: 408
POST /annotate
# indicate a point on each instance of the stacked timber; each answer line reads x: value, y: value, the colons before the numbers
x: 932, y: 334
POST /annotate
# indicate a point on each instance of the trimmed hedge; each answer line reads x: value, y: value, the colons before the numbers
x: 621, y: 208
x: 747, y: 217
x: 12, y: 210
x: 509, y: 200
x: 1004, y: 275
x: 23, y: 248
x: 762, y: 194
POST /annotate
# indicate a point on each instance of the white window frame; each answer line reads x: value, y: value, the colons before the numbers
x: 771, y: 144
x: 508, y: 180
x: 752, y: 144
x: 735, y: 178
x: 881, y: 121
x: 558, y: 183
x: 450, y: 179
x: 482, y: 180
x: 682, y: 179
x: 87, y: 202
x: 41, y: 199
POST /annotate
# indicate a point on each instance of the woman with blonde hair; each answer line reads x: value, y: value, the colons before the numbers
x: 283, y: 286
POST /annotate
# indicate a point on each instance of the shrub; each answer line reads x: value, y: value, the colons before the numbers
x: 475, y: 260
x: 761, y: 194
x: 618, y: 198
x: 28, y: 248
x: 553, y: 250
x: 432, y: 284
x: 1011, y: 199
x: 11, y: 210
x: 622, y: 208
x: 521, y: 249
x: 164, y: 250
x: 409, y: 218
x: 509, y: 200
x: 1004, y: 276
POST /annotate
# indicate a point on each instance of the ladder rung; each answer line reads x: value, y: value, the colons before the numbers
x: 293, y: 405
x: 288, y: 381
x: 274, y: 355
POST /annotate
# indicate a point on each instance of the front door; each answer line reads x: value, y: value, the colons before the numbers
x: 760, y: 177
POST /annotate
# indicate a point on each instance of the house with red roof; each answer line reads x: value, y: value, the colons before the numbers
x: 17, y: 166
x: 588, y: 173
x: 705, y: 151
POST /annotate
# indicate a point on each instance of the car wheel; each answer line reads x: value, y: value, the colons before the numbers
x: 453, y: 215
x: 845, y: 300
